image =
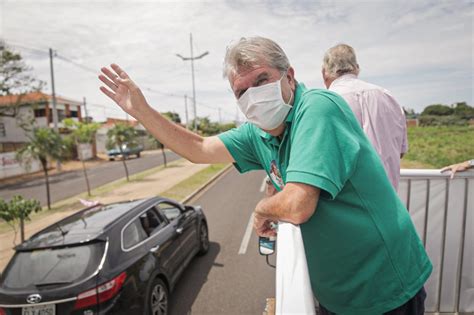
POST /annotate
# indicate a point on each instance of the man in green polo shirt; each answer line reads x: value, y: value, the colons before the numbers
x: 364, y: 255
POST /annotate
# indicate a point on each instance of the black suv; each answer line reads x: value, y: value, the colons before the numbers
x: 121, y: 258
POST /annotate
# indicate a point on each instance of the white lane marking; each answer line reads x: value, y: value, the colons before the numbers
x: 264, y: 183
x: 246, y: 238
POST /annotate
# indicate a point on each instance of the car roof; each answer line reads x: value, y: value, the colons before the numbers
x: 86, y: 225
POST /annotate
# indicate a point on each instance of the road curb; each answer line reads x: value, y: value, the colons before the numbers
x: 207, y: 184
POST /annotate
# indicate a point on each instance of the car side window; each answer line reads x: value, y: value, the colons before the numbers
x: 151, y: 221
x: 170, y: 210
x: 133, y: 234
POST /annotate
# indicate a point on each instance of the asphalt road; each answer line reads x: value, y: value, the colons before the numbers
x: 224, y: 281
x: 71, y: 183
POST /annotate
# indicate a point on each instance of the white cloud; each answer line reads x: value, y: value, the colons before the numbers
x: 421, y: 51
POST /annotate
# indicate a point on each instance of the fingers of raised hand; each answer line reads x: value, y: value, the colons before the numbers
x: 122, y: 74
x: 108, y: 93
x: 110, y: 75
x: 108, y: 82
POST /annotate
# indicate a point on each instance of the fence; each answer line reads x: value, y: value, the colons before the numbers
x: 443, y: 212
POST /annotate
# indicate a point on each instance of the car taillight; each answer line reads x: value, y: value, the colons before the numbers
x: 100, y: 293
x: 2, y: 311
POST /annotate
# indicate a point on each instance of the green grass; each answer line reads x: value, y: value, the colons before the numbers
x: 187, y: 186
x: 439, y: 146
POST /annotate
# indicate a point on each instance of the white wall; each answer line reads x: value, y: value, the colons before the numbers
x: 9, y: 166
x: 13, y: 133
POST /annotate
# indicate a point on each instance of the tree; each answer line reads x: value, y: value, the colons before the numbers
x: 205, y: 126
x: 120, y: 135
x: 208, y: 128
x: 82, y: 133
x: 15, y: 79
x: 225, y: 127
x: 173, y: 116
x: 463, y: 110
x: 16, y: 211
x: 44, y: 143
x: 160, y: 146
x: 437, y: 110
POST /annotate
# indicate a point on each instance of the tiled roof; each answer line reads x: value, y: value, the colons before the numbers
x: 34, y: 97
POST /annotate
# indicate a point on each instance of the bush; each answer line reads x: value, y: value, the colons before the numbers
x: 463, y: 110
x: 451, y: 120
x: 437, y: 110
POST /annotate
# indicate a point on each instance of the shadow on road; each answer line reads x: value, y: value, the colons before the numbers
x: 192, y: 280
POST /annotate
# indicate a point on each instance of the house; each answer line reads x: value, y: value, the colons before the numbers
x: 36, y: 106
x: 39, y: 105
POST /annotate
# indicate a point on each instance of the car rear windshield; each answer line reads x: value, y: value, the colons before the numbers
x: 53, y: 267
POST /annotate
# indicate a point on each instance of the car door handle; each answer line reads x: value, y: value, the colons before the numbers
x: 154, y: 249
x: 179, y: 230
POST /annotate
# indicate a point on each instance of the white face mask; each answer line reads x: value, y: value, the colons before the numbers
x: 264, y: 105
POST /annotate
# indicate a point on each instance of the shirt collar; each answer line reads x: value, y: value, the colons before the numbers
x: 300, y: 89
x: 345, y: 77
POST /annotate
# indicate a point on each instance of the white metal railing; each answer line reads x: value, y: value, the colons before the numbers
x: 443, y: 213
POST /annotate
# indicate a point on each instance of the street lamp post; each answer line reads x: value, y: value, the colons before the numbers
x: 192, y: 58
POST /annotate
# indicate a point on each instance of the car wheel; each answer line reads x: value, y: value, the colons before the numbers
x: 138, y: 155
x: 203, y: 240
x: 158, y: 298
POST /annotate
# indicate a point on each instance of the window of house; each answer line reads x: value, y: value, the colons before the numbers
x: 10, y: 146
x: 61, y: 115
x: 41, y: 112
x: 73, y: 113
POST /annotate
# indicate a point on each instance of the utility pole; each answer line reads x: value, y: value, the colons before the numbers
x: 192, y: 58
x: 220, y: 116
x: 55, y: 109
x: 186, y: 110
x: 85, y: 108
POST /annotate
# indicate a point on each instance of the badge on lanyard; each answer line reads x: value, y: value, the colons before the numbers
x: 275, y: 174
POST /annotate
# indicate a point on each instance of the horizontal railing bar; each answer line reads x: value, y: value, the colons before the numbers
x: 428, y: 173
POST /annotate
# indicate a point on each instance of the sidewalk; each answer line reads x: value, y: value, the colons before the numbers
x: 150, y: 185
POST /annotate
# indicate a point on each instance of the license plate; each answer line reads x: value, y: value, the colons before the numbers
x: 39, y: 310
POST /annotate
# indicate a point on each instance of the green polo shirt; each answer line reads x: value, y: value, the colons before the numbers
x: 364, y: 255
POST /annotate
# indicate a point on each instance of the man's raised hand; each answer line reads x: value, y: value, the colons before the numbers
x: 122, y: 90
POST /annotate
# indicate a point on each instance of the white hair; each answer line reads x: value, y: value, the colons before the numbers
x: 340, y: 60
x: 248, y: 53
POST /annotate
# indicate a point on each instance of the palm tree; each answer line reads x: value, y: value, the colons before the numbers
x: 82, y: 133
x: 119, y: 136
x: 44, y: 143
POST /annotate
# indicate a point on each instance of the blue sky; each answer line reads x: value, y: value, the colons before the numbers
x: 422, y: 51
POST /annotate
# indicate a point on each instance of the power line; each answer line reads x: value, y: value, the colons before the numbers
x: 95, y: 72
x: 83, y: 67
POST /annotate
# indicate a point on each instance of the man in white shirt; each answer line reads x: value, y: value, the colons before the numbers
x: 378, y: 113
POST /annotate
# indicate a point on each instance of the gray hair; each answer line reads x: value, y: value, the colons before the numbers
x: 340, y: 60
x: 248, y: 53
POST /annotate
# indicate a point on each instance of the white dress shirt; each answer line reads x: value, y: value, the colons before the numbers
x: 381, y: 118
